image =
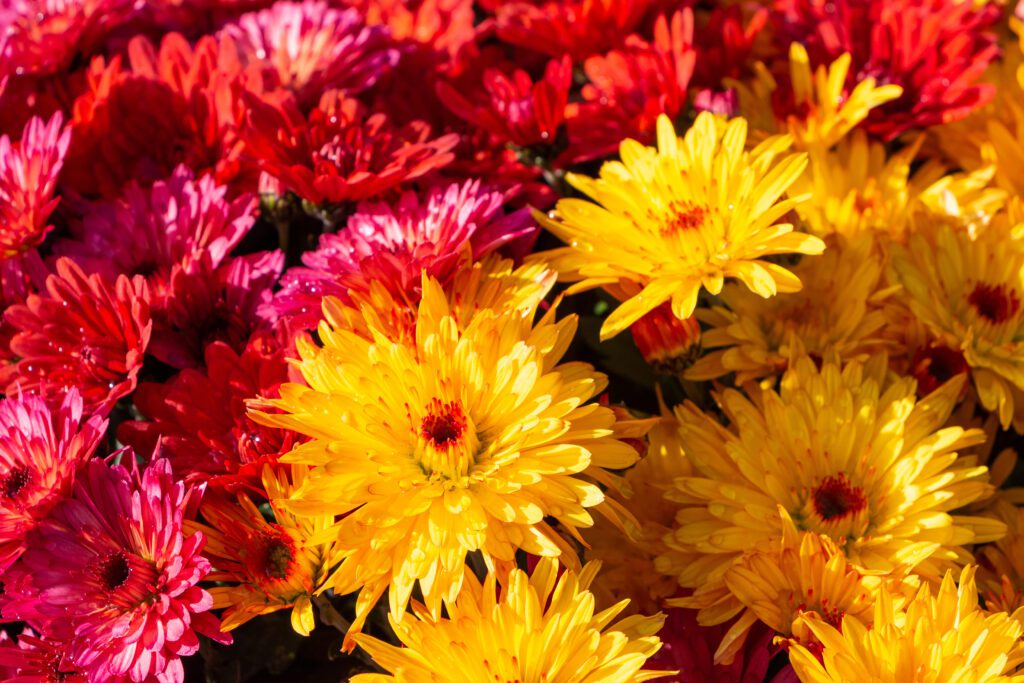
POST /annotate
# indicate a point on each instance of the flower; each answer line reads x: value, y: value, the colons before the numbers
x: 81, y: 332
x: 755, y: 338
x: 113, y: 572
x: 268, y: 565
x: 341, y: 153
x: 468, y: 438
x: 944, y: 637
x: 37, y: 660
x: 394, y: 243
x: 847, y: 452
x: 671, y: 220
x: 667, y: 343
x: 968, y: 290
x: 309, y: 47
x: 1001, y: 564
x: 935, y: 50
x: 538, y: 623
x: 199, y: 421
x: 725, y: 44
x: 40, y: 452
x: 512, y: 107
x: 148, y: 231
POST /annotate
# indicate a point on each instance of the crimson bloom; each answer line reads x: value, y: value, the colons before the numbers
x: 309, y: 47
x: 36, y: 660
x: 28, y: 179
x: 936, y: 50
x: 341, y: 153
x: 724, y: 45
x: 393, y: 244
x: 148, y: 231
x: 81, y: 332
x: 40, y: 451
x: 113, y: 573
x: 199, y: 417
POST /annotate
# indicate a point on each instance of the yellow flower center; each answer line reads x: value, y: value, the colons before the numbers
x: 447, y: 441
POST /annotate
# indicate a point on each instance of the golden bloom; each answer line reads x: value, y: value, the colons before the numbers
x: 269, y: 565
x: 946, y: 637
x: 687, y: 215
x: 967, y: 287
x: 468, y: 437
x: 848, y: 453
x: 541, y: 627
x: 1001, y: 571
x: 838, y: 312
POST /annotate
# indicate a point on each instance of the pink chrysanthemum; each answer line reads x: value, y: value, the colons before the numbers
x: 82, y: 332
x: 149, y: 231
x: 113, y: 573
x: 199, y: 417
x: 394, y: 244
x: 309, y: 47
x: 36, y: 660
x: 208, y: 304
x: 341, y: 153
x: 28, y: 178
x: 40, y: 451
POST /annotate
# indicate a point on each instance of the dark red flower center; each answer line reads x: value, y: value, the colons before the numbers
x: 278, y: 558
x: 684, y: 216
x: 933, y: 366
x: 15, y: 481
x: 444, y: 424
x: 113, y: 570
x: 835, y: 497
x: 995, y: 303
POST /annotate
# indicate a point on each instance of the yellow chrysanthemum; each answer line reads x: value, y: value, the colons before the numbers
x: 805, y: 574
x: 1001, y: 571
x: 469, y: 438
x: 847, y: 452
x: 967, y: 287
x: 687, y: 215
x: 541, y: 627
x: 945, y: 637
x: 268, y: 565
x: 838, y: 312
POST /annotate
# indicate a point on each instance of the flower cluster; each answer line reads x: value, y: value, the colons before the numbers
x: 540, y: 341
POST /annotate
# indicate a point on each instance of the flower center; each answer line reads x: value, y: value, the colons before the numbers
x: 995, y: 303
x: 933, y: 366
x: 113, y: 571
x: 684, y: 216
x: 15, y: 481
x: 277, y: 556
x: 835, y: 498
x: 444, y: 425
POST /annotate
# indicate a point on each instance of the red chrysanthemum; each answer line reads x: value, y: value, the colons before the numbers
x: 81, y: 332
x: 40, y: 450
x: 207, y: 304
x: 341, y: 153
x: 393, y: 244
x: 113, y: 573
x: 631, y: 87
x: 512, y: 107
x: 309, y: 47
x: 936, y: 50
x: 445, y: 26
x: 36, y: 660
x: 199, y: 417
x: 724, y: 45
x: 149, y: 231
x: 28, y: 179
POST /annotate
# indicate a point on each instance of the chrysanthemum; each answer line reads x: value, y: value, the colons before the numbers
x: 849, y: 453
x: 945, y: 637
x: 28, y: 177
x: 668, y: 344
x: 672, y: 220
x: 538, y: 627
x: 40, y: 451
x: 148, y: 231
x: 725, y: 43
x: 81, y: 332
x: 935, y: 50
x: 310, y: 47
x: 1001, y: 564
x: 199, y: 418
x: 394, y: 243
x: 967, y: 287
x: 113, y: 572
x: 468, y: 438
x: 264, y: 566
x: 755, y: 338
x: 340, y: 153
x: 37, y: 660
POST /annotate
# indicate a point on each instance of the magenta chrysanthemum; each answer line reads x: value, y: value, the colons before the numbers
x: 40, y: 450
x: 114, y: 574
x: 394, y: 244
